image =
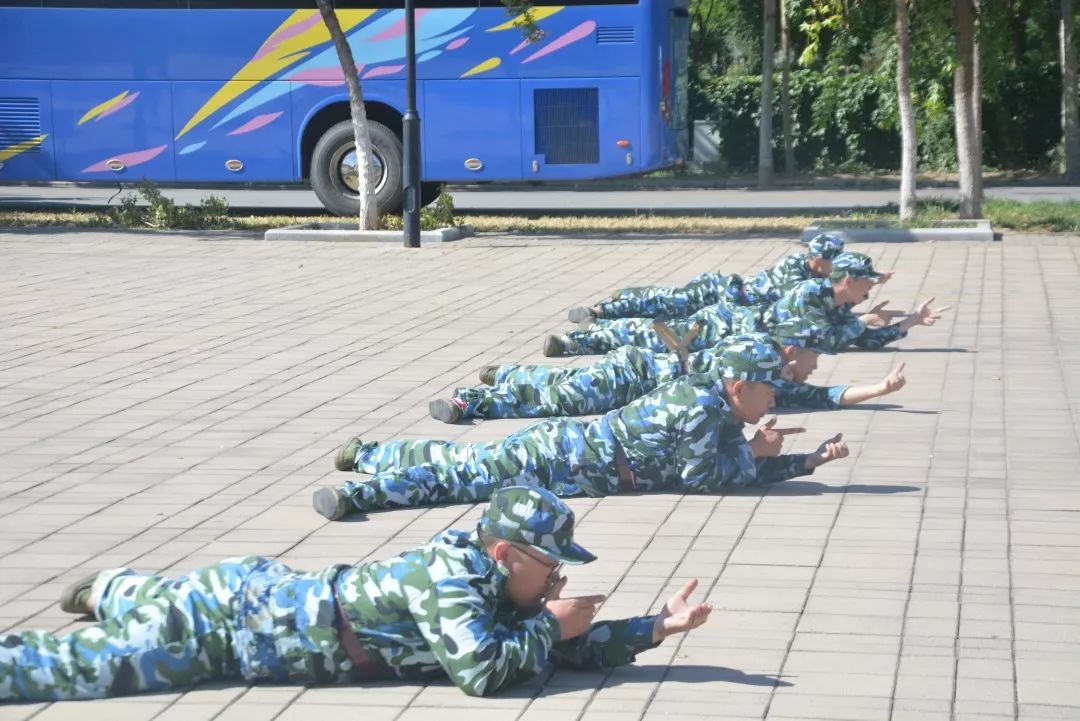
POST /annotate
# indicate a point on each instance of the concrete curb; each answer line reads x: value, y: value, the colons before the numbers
x: 860, y: 232
x: 349, y: 233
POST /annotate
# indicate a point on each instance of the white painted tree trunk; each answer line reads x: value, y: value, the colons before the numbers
x: 909, y: 153
x: 369, y: 211
x: 765, y: 159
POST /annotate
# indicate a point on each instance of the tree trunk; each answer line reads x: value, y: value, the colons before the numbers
x: 765, y: 159
x: 976, y: 99
x: 909, y: 146
x: 369, y: 212
x: 1070, y: 115
x: 785, y: 92
x: 967, y: 145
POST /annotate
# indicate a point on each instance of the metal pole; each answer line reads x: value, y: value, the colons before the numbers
x: 411, y: 130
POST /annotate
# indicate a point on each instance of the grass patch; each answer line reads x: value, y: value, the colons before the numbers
x: 1040, y: 216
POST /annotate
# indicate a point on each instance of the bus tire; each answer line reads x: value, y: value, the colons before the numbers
x: 331, y: 186
x: 429, y: 192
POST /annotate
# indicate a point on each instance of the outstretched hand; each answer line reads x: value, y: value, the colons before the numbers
x: 925, y: 315
x: 831, y: 450
x: 894, y: 381
x: 878, y: 317
x: 678, y: 615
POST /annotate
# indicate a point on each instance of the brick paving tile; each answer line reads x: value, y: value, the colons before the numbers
x: 166, y: 400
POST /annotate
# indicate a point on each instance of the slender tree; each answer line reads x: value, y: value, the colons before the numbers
x: 765, y: 159
x: 908, y: 143
x: 967, y: 146
x: 369, y: 211
x: 785, y: 91
x: 1070, y: 115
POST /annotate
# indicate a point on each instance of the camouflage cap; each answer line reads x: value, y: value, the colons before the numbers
x: 803, y: 333
x: 750, y: 357
x: 853, y: 264
x: 826, y: 245
x: 535, y: 517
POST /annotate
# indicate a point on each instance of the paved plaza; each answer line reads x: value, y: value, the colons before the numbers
x: 170, y: 400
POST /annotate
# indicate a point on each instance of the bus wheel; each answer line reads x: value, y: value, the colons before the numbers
x: 334, y: 173
x: 429, y: 192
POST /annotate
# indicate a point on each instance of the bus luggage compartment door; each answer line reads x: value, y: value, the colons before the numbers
x: 26, y: 145
x: 108, y: 130
x: 470, y: 130
x: 581, y: 128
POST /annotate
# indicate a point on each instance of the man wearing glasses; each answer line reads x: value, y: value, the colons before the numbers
x: 686, y: 436
x: 483, y: 608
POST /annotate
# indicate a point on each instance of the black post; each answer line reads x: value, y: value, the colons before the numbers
x: 411, y: 130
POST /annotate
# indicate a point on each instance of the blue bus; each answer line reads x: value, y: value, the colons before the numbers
x: 251, y: 91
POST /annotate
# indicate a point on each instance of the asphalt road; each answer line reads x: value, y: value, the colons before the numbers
x: 601, y: 199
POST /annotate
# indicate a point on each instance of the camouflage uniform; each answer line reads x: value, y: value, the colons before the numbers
x: 537, y: 391
x: 438, y: 610
x: 712, y: 288
x: 682, y: 436
x: 811, y: 300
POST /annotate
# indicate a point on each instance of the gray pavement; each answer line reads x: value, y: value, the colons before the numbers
x: 168, y: 400
x: 585, y: 199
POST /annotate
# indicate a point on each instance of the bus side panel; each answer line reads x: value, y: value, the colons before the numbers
x: 579, y: 128
x: 26, y: 137
x: 261, y: 139
x: 111, y: 129
x: 467, y: 120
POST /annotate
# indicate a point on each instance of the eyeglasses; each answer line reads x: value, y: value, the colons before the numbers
x: 556, y: 570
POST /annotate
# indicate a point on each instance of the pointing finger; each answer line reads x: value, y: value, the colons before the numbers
x: 788, y: 431
x: 688, y: 589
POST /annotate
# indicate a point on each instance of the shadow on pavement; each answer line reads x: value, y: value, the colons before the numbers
x: 813, y: 488
x: 895, y: 407
x: 570, y: 681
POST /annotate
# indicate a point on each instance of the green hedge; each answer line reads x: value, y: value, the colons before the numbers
x: 849, y: 121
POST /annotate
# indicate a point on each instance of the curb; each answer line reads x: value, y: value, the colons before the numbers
x: 862, y: 233
x: 349, y: 233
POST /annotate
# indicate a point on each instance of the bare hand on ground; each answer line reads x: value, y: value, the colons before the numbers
x: 894, y: 381
x: 830, y: 450
x: 678, y: 615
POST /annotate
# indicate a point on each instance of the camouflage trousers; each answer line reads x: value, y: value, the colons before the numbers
x: 544, y: 391
x: 565, y: 455
x: 674, y: 301
x: 715, y: 322
x: 156, y: 633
